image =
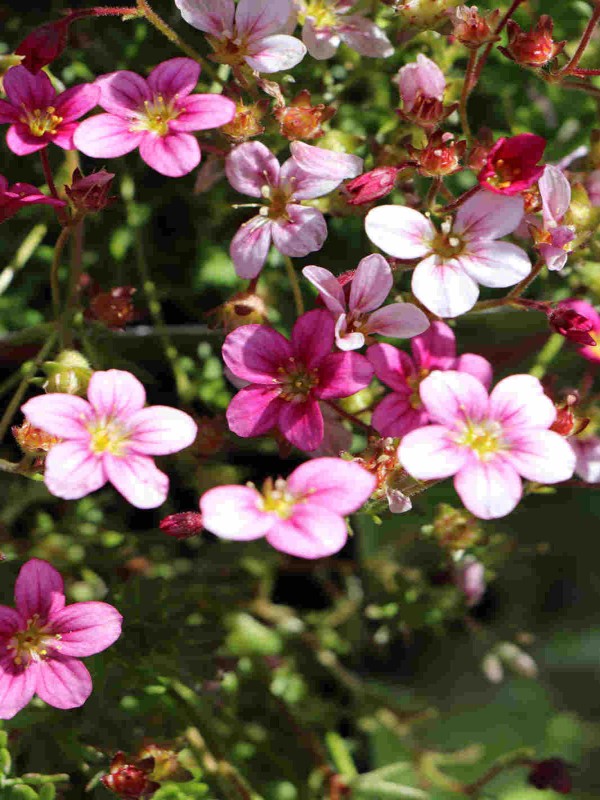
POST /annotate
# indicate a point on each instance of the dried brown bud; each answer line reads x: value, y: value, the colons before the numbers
x: 534, y: 48
x: 113, y: 308
x: 474, y: 29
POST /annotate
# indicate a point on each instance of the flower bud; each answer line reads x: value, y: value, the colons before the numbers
x: 113, y: 308
x: 534, y: 48
x: 242, y: 308
x: 371, y: 186
x: 469, y: 578
x: 572, y: 325
x: 567, y: 423
x: 473, y: 29
x: 33, y: 441
x: 425, y: 14
x: 90, y: 193
x: 491, y: 667
x: 441, y: 155
x: 421, y: 78
x: 300, y: 120
x: 183, y: 525
x: 518, y: 660
x: 43, y: 45
x: 551, y: 773
x: 70, y: 373
x: 130, y: 780
x: 246, y: 122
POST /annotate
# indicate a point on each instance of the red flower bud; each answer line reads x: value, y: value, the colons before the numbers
x: 571, y: 325
x: 130, y: 780
x: 441, y: 156
x: 113, y: 308
x: 372, y: 185
x: 474, y: 29
x: 511, y: 164
x: 551, y: 773
x: 183, y: 525
x: 43, y: 45
x: 90, y: 193
x: 533, y: 48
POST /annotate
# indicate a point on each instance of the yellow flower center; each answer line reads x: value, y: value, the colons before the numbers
x: 41, y: 121
x: 447, y: 244
x: 414, y: 382
x: 108, y: 436
x: 156, y: 115
x: 296, y: 382
x: 276, y: 499
x: 231, y: 50
x: 483, y: 438
x: 321, y: 12
x: 33, y: 643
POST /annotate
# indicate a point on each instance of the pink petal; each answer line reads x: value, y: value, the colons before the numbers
x: 275, y: 53
x: 234, y: 512
x: 477, y: 366
x: 422, y: 76
x: 541, y: 456
x: 312, y: 337
x: 305, y: 232
x: 160, y: 430
x: 60, y: 414
x: 63, y: 682
x: 398, y: 503
x: 395, y: 416
x: 173, y: 155
x: 344, y: 340
x: 254, y: 411
x: 311, y: 532
x: 489, y: 489
x: 555, y: 191
x: 398, y: 321
x: 306, y: 185
x: 71, y: 471
x: 22, y: 142
x: 28, y: 91
x: 519, y: 402
x: 17, y: 685
x: 256, y: 19
x: 328, y: 286
x: 256, y: 353
x: 337, y: 438
x: 177, y: 76
x: 106, y: 136
x: 392, y: 366
x: 488, y: 216
x: 65, y: 135
x: 495, y: 264
x: 365, y: 37
x: 115, y: 393
x: 123, y: 92
x: 332, y: 483
x: 202, y: 112
x: 250, y: 246
x: 435, y: 348
x: 39, y: 589
x: 9, y: 113
x: 343, y: 374
x: 77, y: 101
x: 587, y: 452
x: 138, y: 479
x: 10, y: 621
x: 451, y: 398
x: 302, y: 424
x: 251, y: 166
x: 86, y: 628
x: 211, y: 16
x: 430, y: 454
x: 371, y: 284
x: 400, y: 231
x: 554, y: 257
x: 444, y: 287
x: 320, y: 43
x: 326, y: 163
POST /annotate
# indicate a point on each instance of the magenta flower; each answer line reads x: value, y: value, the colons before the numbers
x: 487, y: 442
x: 327, y: 23
x: 459, y: 256
x: 421, y: 78
x: 402, y: 411
x: 109, y: 437
x: 371, y: 284
x: 251, y: 32
x: 155, y: 114
x: 14, y: 198
x: 589, y: 351
x: 302, y: 516
x: 294, y: 229
x: 552, y: 239
x: 38, y: 115
x: 512, y: 164
x: 587, y: 454
x: 288, y: 378
x: 42, y: 640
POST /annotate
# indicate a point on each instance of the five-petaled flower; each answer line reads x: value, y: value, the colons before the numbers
x: 288, y: 378
x: 156, y: 114
x: 302, y: 516
x: 14, y: 198
x: 327, y: 23
x: 511, y: 165
x: 42, y: 640
x: 109, y: 437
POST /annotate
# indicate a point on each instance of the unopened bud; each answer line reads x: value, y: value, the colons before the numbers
x: 90, y: 193
x: 242, y: 308
x: 70, y: 373
x: 492, y: 668
x: 469, y: 578
x: 425, y: 14
x: 43, y: 45
x: 518, y: 660
x: 441, y: 156
x: 371, y: 186
x: 534, y: 48
x: 113, y: 308
x: 572, y: 325
x: 33, y: 441
x: 183, y: 525
x: 551, y: 773
x: 130, y: 780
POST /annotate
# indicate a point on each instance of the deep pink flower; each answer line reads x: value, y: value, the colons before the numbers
x: 251, y: 32
x: 459, y: 256
x: 38, y: 115
x: 302, y: 516
x: 371, y: 284
x: 402, y: 410
x: 587, y: 454
x: 44, y: 44
x: 288, y: 378
x: 373, y: 185
x: 156, y: 114
x: 42, y: 640
x: 552, y: 237
x: 487, y: 442
x: 512, y: 164
x: 109, y: 437
x: 584, y: 309
x: 294, y: 229
x: 327, y: 23
x: 15, y: 197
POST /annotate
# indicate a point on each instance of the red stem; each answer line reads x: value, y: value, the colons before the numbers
x: 104, y: 11
x: 585, y: 39
x: 483, y: 57
x: 60, y: 212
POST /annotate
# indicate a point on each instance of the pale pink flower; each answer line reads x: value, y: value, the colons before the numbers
x: 589, y: 351
x: 302, y: 516
x: 156, y: 114
x: 592, y: 186
x: 42, y: 640
x: 251, y: 32
x: 553, y: 237
x: 288, y: 378
x: 38, y: 115
x: 469, y: 577
x: 587, y: 453
x: 370, y: 286
x: 421, y: 78
x: 402, y: 411
x: 487, y: 442
x: 327, y: 23
x: 109, y: 437
x: 459, y: 256
x: 294, y: 229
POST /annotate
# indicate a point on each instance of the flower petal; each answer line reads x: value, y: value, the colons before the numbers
x: 250, y: 246
x: 123, y: 92
x: 116, y: 393
x: 312, y: 337
x: 138, y: 479
x: 400, y: 231
x: 176, y: 76
x: 452, y: 397
x: 307, y: 185
x: 321, y: 43
x: 318, y: 161
x: 234, y: 512
x: 211, y: 16
x: 395, y: 416
x: 430, y: 454
x: 255, y: 353
x: 495, y: 264
x: 311, y: 532
x: 488, y: 216
x: 489, y: 489
x: 371, y: 284
x: 9, y: 113
x: 444, y: 287
x: 332, y: 483
x: 201, y: 112
x: 343, y: 374
x: 555, y: 191
x: 22, y: 142
x: 60, y: 414
x: 328, y: 286
x: 519, y: 402
x: 302, y: 424
x: 435, y: 348
x: 173, y: 155
x: 39, y: 589
x: 63, y: 682
x: 477, y: 366
x: 256, y: 19
x: 254, y: 411
x: 27, y: 91
x: 71, y: 471
x: 106, y: 136
x: 17, y: 685
x: 86, y: 628
x: 364, y: 36
x: 275, y: 53
x: 77, y: 101
x: 160, y: 430
x: 392, y: 366
x: 344, y: 340
x: 398, y: 321
x: 305, y: 232
x: 541, y: 456
x: 10, y: 621
x: 251, y: 166
x: 587, y: 452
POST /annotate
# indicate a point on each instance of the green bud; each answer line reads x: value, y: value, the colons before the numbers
x: 47, y: 792
x: 248, y: 636
x: 5, y: 761
x: 69, y: 374
x: 22, y: 792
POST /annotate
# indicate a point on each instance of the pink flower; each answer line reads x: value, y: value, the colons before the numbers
x: 155, y: 114
x: 487, y: 442
x: 302, y: 516
x: 371, y: 284
x: 589, y: 351
x: 250, y: 32
x: 459, y: 256
x: 587, y: 454
x: 469, y: 577
x: 327, y: 23
x: 402, y: 411
x: 14, y: 198
x: 109, y: 437
x: 593, y: 187
x: 295, y: 230
x: 421, y: 78
x: 38, y: 115
x: 512, y: 164
x: 42, y: 640
x: 288, y: 378
x: 552, y: 238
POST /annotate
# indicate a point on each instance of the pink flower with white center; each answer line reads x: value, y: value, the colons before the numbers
x: 42, y: 640
x: 402, y: 411
x: 421, y: 78
x: 371, y: 284
x: 38, y: 115
x: 587, y: 454
x: 487, y: 442
x: 14, y: 198
x: 294, y: 229
x: 109, y: 437
x: 288, y: 378
x: 251, y: 32
x: 552, y: 239
x: 458, y: 257
x: 327, y: 23
x: 302, y: 516
x: 589, y: 351
x: 156, y: 114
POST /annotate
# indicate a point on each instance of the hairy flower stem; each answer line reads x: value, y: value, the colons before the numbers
x: 105, y: 11
x: 464, y: 95
x: 60, y: 212
x: 585, y: 39
x: 484, y: 56
x: 518, y: 290
x: 459, y: 200
x: 434, y: 189
x: 295, y: 285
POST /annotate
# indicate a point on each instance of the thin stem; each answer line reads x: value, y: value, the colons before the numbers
x: 582, y: 87
x: 296, y: 291
x: 352, y: 418
x: 518, y: 290
x: 433, y: 191
x: 500, y: 27
x: 105, y: 11
x: 582, y: 73
x: 464, y: 95
x: 585, y: 40
x: 459, y: 200
x: 547, y: 355
x: 60, y: 212
x: 54, y: 279
x: 474, y: 788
